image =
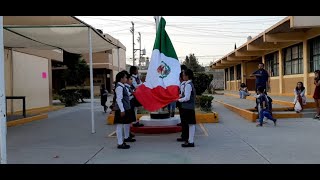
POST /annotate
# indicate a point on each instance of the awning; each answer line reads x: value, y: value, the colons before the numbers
x: 54, y: 32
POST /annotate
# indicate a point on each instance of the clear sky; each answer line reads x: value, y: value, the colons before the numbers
x: 208, y: 37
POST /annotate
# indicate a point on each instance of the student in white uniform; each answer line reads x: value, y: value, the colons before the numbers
x: 122, y: 108
x: 188, y: 118
x: 182, y: 82
x: 128, y: 136
x: 136, y: 82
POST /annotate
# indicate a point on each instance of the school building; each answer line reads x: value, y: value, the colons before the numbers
x: 290, y: 50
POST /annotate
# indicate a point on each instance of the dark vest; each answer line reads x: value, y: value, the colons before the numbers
x: 192, y: 101
x: 137, y: 79
x: 130, y: 90
x: 125, y: 99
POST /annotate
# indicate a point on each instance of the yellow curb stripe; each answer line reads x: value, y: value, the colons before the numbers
x: 38, y: 110
x: 251, y: 116
x: 279, y: 102
x: 26, y: 120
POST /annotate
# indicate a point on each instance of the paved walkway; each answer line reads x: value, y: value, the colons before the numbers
x: 65, y: 137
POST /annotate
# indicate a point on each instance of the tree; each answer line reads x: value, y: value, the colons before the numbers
x: 192, y: 63
x: 77, y: 70
x: 201, y: 82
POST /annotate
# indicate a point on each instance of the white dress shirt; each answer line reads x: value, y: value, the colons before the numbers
x: 129, y: 91
x: 134, y: 82
x: 119, y: 94
x: 187, y: 92
x: 182, y: 87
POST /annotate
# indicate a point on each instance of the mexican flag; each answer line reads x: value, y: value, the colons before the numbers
x: 162, y: 81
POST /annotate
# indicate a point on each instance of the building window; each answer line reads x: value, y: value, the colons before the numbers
x: 239, y: 72
x: 272, y: 64
x: 293, y: 59
x: 226, y: 74
x: 232, y: 73
x: 314, y: 45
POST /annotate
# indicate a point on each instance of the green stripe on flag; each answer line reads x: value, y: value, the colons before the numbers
x: 163, y: 42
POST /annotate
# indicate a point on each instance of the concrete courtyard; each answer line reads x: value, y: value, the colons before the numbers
x: 65, y: 138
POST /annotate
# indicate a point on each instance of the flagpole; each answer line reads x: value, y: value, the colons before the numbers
x: 157, y: 19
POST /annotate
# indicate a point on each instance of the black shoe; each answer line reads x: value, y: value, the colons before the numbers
x: 137, y: 125
x: 259, y: 125
x: 123, y: 146
x: 187, y: 145
x: 181, y: 140
x: 129, y: 139
x: 179, y: 124
x: 275, y: 122
x: 172, y: 114
x: 132, y: 135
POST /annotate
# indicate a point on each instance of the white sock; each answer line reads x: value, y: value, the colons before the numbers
x: 192, y: 129
x: 136, y: 112
x: 126, y: 130
x: 119, y: 133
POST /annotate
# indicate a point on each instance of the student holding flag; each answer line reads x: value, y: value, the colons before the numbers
x: 188, y: 115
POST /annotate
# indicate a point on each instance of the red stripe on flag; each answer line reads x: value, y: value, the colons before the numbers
x: 156, y: 98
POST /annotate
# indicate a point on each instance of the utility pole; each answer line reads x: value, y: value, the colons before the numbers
x: 3, y: 118
x: 132, y: 31
x: 134, y: 50
x: 139, y: 40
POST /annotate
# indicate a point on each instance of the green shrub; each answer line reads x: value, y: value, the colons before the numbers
x: 205, y: 103
x: 69, y: 97
x: 55, y: 96
x: 73, y: 95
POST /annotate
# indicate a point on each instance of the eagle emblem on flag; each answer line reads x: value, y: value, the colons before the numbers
x: 164, y: 70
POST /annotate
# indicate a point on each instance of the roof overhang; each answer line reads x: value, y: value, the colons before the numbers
x: 55, y: 32
x: 289, y: 31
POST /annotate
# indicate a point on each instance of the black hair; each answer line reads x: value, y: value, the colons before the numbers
x: 119, y: 76
x: 262, y: 64
x: 302, y: 87
x: 243, y: 85
x: 103, y: 86
x: 261, y: 89
x: 318, y: 72
x: 189, y: 73
x: 183, y: 67
x: 181, y: 75
x: 133, y: 69
x: 125, y: 72
x: 128, y: 76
